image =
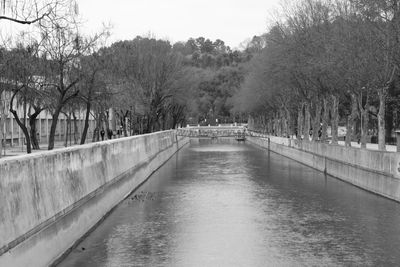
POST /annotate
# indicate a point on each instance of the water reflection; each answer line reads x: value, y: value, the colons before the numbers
x: 222, y: 203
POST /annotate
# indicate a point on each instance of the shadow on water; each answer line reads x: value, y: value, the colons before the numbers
x: 223, y: 203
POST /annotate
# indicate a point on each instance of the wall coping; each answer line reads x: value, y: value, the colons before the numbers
x: 46, y: 153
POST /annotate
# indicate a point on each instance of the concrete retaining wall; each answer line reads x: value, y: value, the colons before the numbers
x: 49, y: 200
x: 375, y: 171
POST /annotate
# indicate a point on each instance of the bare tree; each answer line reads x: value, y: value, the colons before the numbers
x: 384, y: 17
x: 32, y: 11
x: 63, y: 46
x: 20, y: 76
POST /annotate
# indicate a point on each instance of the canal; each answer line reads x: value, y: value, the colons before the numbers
x: 223, y: 203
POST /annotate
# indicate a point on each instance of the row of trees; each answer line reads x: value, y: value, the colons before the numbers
x: 327, y: 63
x: 149, y: 84
x: 187, y: 82
x: 21, y: 66
x: 56, y: 68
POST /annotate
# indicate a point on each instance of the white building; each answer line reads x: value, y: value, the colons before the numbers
x: 14, y: 135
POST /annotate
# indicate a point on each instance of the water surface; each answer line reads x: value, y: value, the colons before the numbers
x: 223, y: 203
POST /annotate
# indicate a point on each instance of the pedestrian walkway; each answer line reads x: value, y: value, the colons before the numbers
x: 389, y: 148
x: 17, y: 150
x: 21, y: 150
x: 370, y: 146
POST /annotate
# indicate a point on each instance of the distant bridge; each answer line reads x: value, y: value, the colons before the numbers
x: 211, y: 131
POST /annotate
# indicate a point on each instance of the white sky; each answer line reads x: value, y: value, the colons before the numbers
x: 232, y: 21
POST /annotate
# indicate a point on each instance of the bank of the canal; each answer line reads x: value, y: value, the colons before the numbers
x: 374, y: 171
x: 223, y: 203
x: 50, y: 200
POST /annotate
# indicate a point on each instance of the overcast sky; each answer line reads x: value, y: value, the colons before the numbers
x: 233, y: 21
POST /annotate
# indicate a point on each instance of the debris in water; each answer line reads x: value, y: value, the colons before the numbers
x: 143, y: 196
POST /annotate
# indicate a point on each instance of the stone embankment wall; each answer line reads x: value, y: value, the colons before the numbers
x: 49, y: 200
x: 375, y: 171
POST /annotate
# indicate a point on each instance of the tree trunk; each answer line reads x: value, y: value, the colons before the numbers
x: 335, y: 119
x: 269, y: 126
x: 122, y: 123
x: 354, y: 116
x: 70, y: 130
x: 76, y: 134
x: 289, y: 131
x: 348, y: 131
x: 148, y: 130
x: 86, y: 126
x: 175, y: 121
x: 24, y: 130
x: 140, y: 120
x: 1, y: 133
x: 122, y: 119
x: 351, y: 119
x: 96, y: 133
x: 275, y: 126
x: 307, y: 125
x: 382, y: 93
x: 364, y: 120
x: 281, y: 124
x: 300, y: 121
x: 325, y: 120
x: 53, y: 128
x: 364, y: 126
x: 67, y: 126
x: 33, y: 130
x: 317, y: 120
x: 262, y: 123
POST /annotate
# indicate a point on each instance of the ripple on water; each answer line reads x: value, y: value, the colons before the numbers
x: 219, y: 148
x: 220, y: 204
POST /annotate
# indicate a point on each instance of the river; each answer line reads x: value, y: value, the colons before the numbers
x: 223, y: 203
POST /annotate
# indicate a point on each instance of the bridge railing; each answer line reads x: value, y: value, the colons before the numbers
x: 204, y: 131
